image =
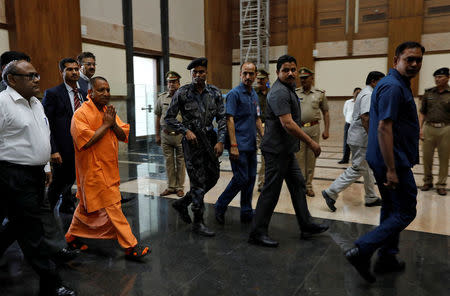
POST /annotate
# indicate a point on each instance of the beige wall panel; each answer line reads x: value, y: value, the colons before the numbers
x: 4, y: 41
x: 2, y: 12
x: 430, y: 64
x: 108, y: 11
x: 437, y: 41
x: 340, y: 77
x: 186, y: 20
x: 331, y: 49
x: 370, y: 46
x: 179, y: 66
x: 111, y: 65
x: 186, y: 48
x: 103, y: 31
x: 146, y: 39
x: 147, y: 16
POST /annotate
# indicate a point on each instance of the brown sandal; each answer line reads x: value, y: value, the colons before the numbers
x: 136, y: 252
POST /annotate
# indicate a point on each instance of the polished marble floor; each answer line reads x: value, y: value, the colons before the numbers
x: 184, y: 264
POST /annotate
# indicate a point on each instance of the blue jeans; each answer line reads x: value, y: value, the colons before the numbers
x: 398, y: 210
x: 244, y: 176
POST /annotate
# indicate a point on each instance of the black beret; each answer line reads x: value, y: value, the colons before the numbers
x: 441, y: 71
x: 198, y: 62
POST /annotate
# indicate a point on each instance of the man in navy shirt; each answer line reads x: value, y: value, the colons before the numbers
x: 242, y: 110
x: 392, y: 151
x: 279, y: 145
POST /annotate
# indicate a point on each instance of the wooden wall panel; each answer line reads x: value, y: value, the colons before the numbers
x: 218, y: 42
x: 436, y: 16
x: 405, y: 24
x: 301, y: 31
x: 330, y: 20
x: 48, y: 31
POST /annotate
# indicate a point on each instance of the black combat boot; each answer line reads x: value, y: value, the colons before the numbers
x: 182, y: 209
x: 199, y: 226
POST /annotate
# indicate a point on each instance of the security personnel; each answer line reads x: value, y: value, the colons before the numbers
x: 435, y: 113
x: 312, y: 101
x: 262, y: 80
x: 199, y: 103
x: 170, y: 140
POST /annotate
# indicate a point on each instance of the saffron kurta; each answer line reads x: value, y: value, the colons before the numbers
x: 99, y: 214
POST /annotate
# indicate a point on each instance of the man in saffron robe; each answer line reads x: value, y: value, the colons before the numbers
x: 96, y: 130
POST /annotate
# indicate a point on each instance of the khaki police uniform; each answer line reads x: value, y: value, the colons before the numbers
x: 262, y: 98
x: 435, y: 107
x: 311, y: 103
x: 171, y: 146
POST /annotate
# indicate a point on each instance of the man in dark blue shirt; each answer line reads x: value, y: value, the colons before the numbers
x: 281, y: 141
x: 242, y: 110
x: 393, y: 149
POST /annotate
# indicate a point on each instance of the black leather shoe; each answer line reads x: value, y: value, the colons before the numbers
x: 220, y: 217
x: 343, y: 161
x: 59, y: 291
x: 388, y: 263
x: 312, y: 229
x: 201, y: 229
x: 330, y: 202
x: 262, y: 240
x: 66, y: 254
x: 376, y: 203
x: 360, y: 263
x: 182, y: 212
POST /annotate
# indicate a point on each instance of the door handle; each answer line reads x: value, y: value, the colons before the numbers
x: 149, y: 108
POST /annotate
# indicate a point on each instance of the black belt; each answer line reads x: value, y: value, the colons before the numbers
x: 23, y: 166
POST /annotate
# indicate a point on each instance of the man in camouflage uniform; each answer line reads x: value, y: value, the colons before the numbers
x: 312, y: 102
x: 262, y: 79
x: 199, y: 103
x: 435, y: 133
x: 170, y: 140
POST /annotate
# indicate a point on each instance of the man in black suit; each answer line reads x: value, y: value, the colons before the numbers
x: 60, y: 102
x: 86, y: 61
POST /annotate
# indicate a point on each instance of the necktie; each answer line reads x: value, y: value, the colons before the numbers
x: 76, y: 99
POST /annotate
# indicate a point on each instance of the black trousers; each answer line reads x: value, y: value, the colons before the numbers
x: 203, y: 170
x: 63, y: 178
x: 279, y: 168
x: 23, y: 194
x: 346, y: 149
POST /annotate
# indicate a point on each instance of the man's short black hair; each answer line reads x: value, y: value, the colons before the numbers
x: 63, y: 62
x: 356, y: 88
x: 9, y: 56
x: 93, y: 80
x: 408, y: 44
x: 85, y: 54
x: 374, y: 76
x: 285, y: 59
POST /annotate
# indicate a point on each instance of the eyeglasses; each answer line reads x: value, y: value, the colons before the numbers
x: 30, y: 76
x: 90, y: 64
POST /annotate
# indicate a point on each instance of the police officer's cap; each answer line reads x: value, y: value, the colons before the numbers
x: 172, y: 75
x: 305, y: 72
x: 441, y: 71
x: 198, y: 62
x: 262, y: 74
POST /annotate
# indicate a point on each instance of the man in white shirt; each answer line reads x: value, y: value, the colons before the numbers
x: 357, y: 140
x: 24, y: 151
x: 348, y: 112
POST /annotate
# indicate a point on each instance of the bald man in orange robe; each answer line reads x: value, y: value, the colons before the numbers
x: 96, y: 130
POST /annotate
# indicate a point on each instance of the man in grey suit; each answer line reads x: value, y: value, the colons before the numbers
x: 281, y: 141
